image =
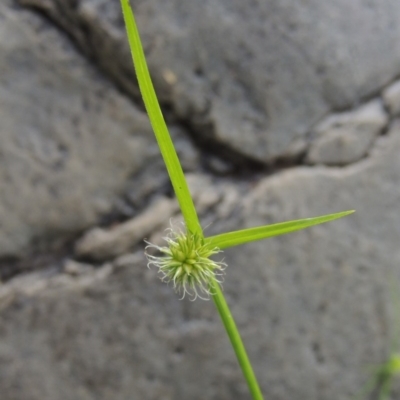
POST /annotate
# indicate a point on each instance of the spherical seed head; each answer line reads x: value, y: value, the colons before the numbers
x: 185, y: 262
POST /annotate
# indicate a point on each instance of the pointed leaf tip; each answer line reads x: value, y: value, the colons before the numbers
x: 236, y: 238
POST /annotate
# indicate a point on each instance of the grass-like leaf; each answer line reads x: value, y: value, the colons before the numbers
x: 158, y: 123
x: 242, y: 236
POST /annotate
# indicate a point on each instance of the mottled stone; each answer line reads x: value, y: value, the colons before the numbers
x: 314, y: 307
x: 205, y: 195
x: 101, y: 244
x: 254, y: 76
x: 69, y: 140
x: 391, y: 97
x: 345, y: 138
x: 144, y: 342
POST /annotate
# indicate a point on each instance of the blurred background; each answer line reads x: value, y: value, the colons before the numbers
x: 279, y: 109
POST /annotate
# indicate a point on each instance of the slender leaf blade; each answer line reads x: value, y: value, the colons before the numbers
x: 236, y: 238
x: 158, y: 123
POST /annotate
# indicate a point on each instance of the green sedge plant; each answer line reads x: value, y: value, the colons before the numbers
x: 380, y: 384
x: 185, y: 259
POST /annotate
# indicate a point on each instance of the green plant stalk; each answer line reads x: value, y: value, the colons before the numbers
x: 181, y: 189
x: 236, y: 340
x: 383, y: 375
x: 158, y: 124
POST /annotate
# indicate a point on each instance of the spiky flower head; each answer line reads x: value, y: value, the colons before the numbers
x: 185, y: 262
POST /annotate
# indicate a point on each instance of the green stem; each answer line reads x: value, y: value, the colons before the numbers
x: 158, y: 123
x: 385, y: 388
x: 236, y: 340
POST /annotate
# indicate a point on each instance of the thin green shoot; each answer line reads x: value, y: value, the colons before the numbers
x: 157, y: 121
x: 182, y: 258
x: 237, y: 343
x: 380, y: 384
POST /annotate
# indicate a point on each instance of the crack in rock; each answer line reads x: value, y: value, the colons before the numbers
x: 340, y: 139
x: 73, y: 276
x: 345, y: 138
x: 100, y: 244
x: 200, y: 69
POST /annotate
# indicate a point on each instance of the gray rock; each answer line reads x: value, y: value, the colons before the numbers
x: 324, y: 300
x: 74, y: 268
x: 205, y: 195
x: 391, y: 97
x: 69, y: 140
x: 75, y: 276
x: 314, y: 307
x: 347, y: 137
x: 131, y: 291
x: 255, y: 76
x: 101, y: 244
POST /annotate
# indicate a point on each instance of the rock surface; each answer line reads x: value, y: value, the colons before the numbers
x: 314, y: 307
x: 391, y: 97
x: 254, y: 76
x: 69, y: 140
x: 345, y: 138
x: 323, y: 296
x: 100, y: 244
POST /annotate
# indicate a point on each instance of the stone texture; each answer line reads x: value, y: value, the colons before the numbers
x: 205, y: 195
x: 256, y: 75
x: 314, y: 307
x: 347, y: 137
x: 123, y: 361
x: 69, y: 141
x: 391, y: 97
x: 101, y: 244
x: 328, y: 309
